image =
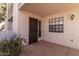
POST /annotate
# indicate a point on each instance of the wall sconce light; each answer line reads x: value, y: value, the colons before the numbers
x: 72, y: 17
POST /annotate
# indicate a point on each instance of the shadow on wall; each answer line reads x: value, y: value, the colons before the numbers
x: 7, y: 34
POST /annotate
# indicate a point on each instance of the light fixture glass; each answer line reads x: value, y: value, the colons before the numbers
x: 72, y: 17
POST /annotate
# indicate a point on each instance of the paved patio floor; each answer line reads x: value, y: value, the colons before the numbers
x: 44, y: 48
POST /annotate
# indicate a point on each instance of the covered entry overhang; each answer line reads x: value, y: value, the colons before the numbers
x: 46, y: 9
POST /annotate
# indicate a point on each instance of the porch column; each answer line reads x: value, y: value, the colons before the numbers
x: 15, y: 17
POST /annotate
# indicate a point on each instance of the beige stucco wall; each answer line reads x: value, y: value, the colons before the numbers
x: 71, y: 29
x: 23, y: 22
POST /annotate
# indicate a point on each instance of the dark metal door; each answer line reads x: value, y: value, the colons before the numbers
x: 33, y: 30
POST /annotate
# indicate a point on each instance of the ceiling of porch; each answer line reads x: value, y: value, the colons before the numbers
x: 45, y: 9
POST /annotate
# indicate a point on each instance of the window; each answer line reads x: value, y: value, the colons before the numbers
x: 56, y: 24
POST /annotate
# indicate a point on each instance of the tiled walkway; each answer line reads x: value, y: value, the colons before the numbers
x: 44, y: 48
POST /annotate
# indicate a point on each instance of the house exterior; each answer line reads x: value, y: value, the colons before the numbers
x: 18, y: 21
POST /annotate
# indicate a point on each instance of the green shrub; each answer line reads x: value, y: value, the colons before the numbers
x: 11, y: 47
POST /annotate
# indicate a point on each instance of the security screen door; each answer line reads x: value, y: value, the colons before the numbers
x: 33, y: 30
